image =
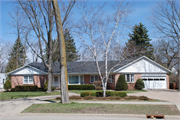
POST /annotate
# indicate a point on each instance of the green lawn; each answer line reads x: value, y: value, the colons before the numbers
x: 102, y: 109
x: 127, y: 91
x: 15, y: 95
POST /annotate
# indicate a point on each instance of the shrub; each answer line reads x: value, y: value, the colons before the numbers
x: 40, y: 89
x: 84, y: 94
x: 26, y: 88
x: 7, y: 85
x: 53, y: 88
x: 12, y: 89
x: 98, y: 88
x: 88, y: 98
x: 99, y: 94
x: 121, y: 83
x: 111, y: 93
x: 114, y: 98
x: 75, y: 97
x: 81, y: 87
x: 97, y: 83
x: 139, y: 84
x: 143, y: 98
x: 131, y: 97
x: 46, y: 85
x: 58, y: 98
x: 121, y: 94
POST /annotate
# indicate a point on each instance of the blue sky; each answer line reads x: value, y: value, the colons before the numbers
x: 141, y: 12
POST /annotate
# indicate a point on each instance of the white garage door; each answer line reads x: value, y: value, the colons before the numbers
x: 154, y: 81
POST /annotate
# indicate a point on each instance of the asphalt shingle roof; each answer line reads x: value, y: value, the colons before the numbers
x: 84, y: 66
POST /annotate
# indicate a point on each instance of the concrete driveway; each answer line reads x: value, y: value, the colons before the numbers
x: 172, y: 96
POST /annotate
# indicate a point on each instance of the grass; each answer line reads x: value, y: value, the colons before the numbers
x: 127, y: 91
x: 15, y: 95
x: 85, y: 108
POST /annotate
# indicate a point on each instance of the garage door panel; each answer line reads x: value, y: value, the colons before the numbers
x: 155, y: 82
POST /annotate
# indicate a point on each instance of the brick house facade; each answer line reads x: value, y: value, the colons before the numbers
x: 141, y: 68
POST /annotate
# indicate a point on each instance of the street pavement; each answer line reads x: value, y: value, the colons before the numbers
x: 80, y: 117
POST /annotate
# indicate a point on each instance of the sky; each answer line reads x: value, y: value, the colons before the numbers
x: 140, y: 13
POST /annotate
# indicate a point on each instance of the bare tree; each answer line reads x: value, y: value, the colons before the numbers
x: 41, y: 17
x: 165, y: 17
x: 97, y: 29
x: 166, y: 52
x: 5, y: 50
x: 16, y: 23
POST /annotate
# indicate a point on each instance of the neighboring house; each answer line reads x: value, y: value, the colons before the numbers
x: 174, y: 71
x: 2, y: 80
x: 154, y: 75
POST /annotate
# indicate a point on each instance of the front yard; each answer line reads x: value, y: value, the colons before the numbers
x: 127, y: 91
x: 95, y: 108
x: 15, y: 95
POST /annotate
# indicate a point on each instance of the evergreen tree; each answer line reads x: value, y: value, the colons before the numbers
x: 140, y: 39
x: 121, y: 83
x: 15, y: 57
x: 71, y: 52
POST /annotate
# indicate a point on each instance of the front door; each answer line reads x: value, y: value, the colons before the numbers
x: 56, y: 82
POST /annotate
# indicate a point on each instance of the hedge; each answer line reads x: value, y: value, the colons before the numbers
x: 81, y: 87
x: 26, y: 88
x: 100, y: 94
x: 84, y: 94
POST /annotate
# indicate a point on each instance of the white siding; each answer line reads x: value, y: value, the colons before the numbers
x: 143, y: 66
x: 27, y: 71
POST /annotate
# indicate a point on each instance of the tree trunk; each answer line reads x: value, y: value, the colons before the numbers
x: 104, y: 89
x: 49, y: 89
x: 17, y: 53
x: 63, y: 66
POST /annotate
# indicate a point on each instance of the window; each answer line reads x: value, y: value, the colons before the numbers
x: 73, y: 79
x: 55, y: 80
x: 110, y: 79
x: 28, y: 80
x: 94, y: 78
x: 4, y: 81
x: 129, y: 78
x: 82, y: 79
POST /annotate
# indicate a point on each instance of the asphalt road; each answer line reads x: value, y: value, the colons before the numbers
x: 73, y: 117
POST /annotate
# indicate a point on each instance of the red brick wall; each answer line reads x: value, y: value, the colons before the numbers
x: 167, y: 80
x: 87, y: 79
x: 131, y: 86
x: 39, y: 80
x: 111, y: 85
x: 18, y: 80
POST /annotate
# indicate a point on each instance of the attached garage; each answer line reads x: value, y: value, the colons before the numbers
x: 153, y: 74
x: 155, y: 81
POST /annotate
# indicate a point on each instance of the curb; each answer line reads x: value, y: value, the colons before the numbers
x: 105, y: 115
